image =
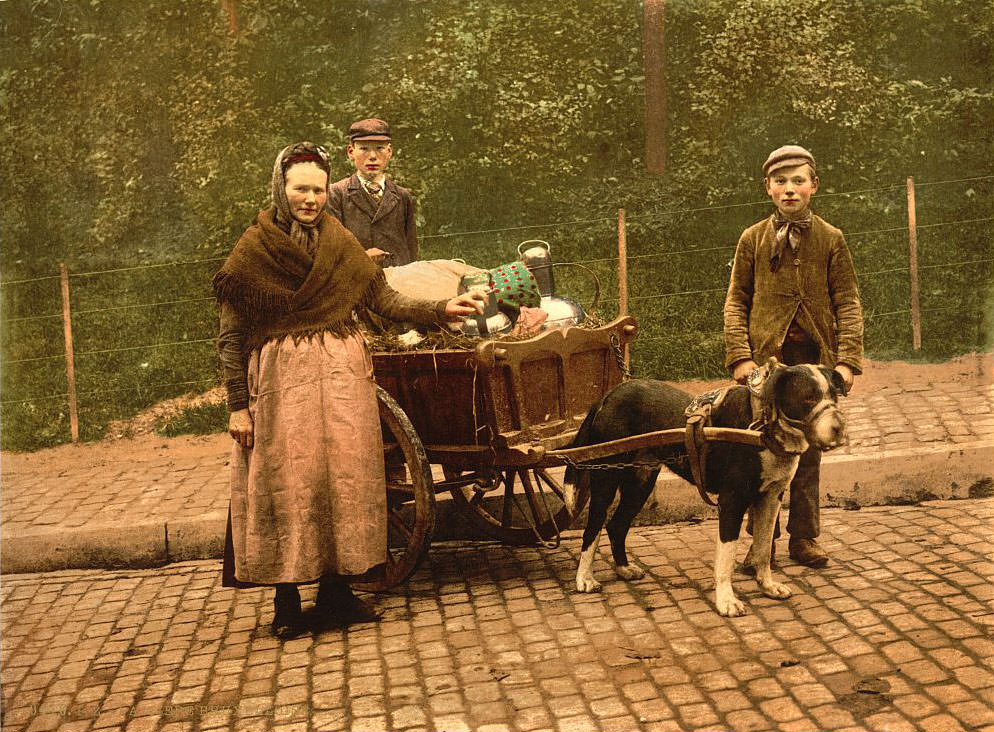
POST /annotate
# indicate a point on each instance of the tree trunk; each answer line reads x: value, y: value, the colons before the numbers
x: 654, y: 54
x: 232, y: 12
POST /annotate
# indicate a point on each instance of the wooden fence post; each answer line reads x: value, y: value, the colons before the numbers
x: 70, y: 367
x: 623, y: 273
x: 916, y: 321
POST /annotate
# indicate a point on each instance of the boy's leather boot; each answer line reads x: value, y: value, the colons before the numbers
x: 807, y: 552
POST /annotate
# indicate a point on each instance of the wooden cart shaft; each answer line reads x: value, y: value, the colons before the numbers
x: 650, y: 440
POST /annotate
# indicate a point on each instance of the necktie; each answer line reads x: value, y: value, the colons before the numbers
x: 787, y: 232
x: 375, y: 191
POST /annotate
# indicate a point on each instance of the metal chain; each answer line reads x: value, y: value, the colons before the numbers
x: 626, y: 373
x: 616, y: 466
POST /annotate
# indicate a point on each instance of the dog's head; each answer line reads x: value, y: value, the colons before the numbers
x: 801, y: 404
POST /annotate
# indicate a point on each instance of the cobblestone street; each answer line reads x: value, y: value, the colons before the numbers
x: 895, y: 634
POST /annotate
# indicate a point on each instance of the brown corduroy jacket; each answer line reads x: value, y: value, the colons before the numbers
x: 817, y: 286
x: 389, y: 226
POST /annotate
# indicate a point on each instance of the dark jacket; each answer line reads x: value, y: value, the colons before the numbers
x: 390, y: 227
x: 817, y: 287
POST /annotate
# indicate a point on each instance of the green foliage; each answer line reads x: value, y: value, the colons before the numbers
x: 143, y: 134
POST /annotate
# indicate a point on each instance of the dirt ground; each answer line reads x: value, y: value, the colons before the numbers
x: 147, y: 447
x: 147, y: 421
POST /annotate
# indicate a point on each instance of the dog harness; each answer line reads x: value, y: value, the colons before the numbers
x: 698, y: 414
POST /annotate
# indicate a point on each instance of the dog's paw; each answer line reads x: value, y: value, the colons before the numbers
x: 587, y: 583
x: 629, y: 571
x: 729, y: 606
x: 776, y: 590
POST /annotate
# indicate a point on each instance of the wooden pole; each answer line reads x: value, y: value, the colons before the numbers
x: 654, y: 64
x: 622, y: 265
x: 622, y: 272
x: 70, y: 367
x: 916, y: 320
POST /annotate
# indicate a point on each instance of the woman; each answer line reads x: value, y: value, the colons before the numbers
x: 308, y: 501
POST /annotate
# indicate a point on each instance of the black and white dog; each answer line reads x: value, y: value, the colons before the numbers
x: 793, y: 407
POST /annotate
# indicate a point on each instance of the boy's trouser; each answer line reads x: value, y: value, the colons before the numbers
x: 804, y: 521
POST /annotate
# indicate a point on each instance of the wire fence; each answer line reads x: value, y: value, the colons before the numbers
x: 184, y: 317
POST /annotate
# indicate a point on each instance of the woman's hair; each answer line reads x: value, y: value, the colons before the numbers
x: 300, y: 152
x: 305, y: 152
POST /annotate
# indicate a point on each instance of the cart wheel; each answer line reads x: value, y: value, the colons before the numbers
x: 410, y: 500
x: 520, y: 505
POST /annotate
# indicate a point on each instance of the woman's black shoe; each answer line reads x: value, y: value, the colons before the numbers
x: 288, y: 620
x: 337, y: 606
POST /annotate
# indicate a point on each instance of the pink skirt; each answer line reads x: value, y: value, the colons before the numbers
x: 309, y: 498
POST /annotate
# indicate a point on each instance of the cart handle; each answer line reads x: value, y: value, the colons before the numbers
x: 593, y: 276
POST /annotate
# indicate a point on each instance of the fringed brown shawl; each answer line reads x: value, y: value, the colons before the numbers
x: 281, y: 289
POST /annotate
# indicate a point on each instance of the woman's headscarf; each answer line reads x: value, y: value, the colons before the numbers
x: 304, y: 235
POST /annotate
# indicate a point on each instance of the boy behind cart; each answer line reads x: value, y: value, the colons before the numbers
x: 378, y: 212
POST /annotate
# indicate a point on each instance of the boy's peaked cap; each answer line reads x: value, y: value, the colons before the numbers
x: 787, y: 156
x: 369, y: 129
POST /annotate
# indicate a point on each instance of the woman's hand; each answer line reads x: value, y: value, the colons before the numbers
x: 241, y: 429
x: 464, y: 305
x: 377, y: 255
x: 742, y: 370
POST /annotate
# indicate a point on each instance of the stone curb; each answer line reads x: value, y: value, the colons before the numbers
x: 884, y: 478
x: 888, y: 477
x: 141, y: 544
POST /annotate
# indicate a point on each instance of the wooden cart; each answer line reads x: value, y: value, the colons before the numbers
x: 488, y: 419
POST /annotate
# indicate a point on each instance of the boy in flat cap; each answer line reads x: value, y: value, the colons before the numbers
x: 375, y: 209
x: 793, y: 295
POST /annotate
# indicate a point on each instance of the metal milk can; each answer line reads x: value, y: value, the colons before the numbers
x: 537, y: 256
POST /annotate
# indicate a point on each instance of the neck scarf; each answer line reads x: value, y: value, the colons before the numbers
x: 787, y: 231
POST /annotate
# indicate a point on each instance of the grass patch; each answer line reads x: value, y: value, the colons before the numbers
x: 204, y: 419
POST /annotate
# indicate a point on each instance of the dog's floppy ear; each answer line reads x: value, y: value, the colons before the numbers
x: 840, y: 383
x: 835, y: 379
x: 790, y: 439
x: 774, y: 372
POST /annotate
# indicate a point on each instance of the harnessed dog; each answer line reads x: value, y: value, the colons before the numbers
x: 792, y: 407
